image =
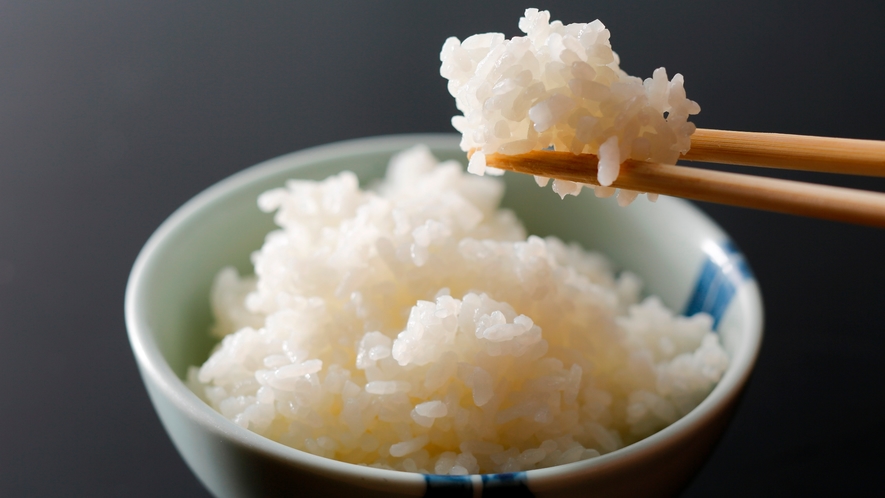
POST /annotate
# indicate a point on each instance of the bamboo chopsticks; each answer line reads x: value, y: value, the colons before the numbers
x: 860, y: 157
x: 776, y: 150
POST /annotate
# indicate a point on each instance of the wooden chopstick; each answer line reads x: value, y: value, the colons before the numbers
x: 777, y: 150
x: 784, y: 196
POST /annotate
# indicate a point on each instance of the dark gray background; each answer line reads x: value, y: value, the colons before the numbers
x: 113, y: 113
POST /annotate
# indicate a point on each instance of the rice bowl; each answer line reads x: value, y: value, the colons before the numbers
x: 166, y: 342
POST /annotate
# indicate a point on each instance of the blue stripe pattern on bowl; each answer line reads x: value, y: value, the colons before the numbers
x: 510, y: 484
x: 723, y: 272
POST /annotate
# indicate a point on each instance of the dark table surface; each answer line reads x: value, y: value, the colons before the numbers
x: 112, y: 114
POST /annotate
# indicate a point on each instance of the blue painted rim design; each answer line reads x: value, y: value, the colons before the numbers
x: 512, y: 484
x: 723, y: 272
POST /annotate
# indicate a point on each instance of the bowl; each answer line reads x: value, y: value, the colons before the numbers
x: 682, y: 256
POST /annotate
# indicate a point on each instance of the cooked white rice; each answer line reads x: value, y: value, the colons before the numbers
x: 561, y: 86
x: 415, y: 327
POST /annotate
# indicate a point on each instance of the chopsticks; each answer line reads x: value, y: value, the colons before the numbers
x: 777, y: 150
x: 822, y: 154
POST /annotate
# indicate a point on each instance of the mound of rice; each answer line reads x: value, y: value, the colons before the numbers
x: 561, y: 87
x: 415, y: 327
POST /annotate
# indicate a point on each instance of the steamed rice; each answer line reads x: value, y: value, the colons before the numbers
x: 415, y: 327
x: 561, y: 87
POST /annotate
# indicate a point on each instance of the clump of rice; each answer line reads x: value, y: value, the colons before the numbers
x: 561, y: 87
x: 415, y: 327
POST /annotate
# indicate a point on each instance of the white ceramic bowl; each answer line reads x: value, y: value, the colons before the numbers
x: 680, y: 253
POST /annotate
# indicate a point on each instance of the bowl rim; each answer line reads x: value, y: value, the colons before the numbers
x: 153, y: 365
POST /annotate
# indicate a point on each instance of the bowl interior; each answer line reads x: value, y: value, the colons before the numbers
x: 666, y: 243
